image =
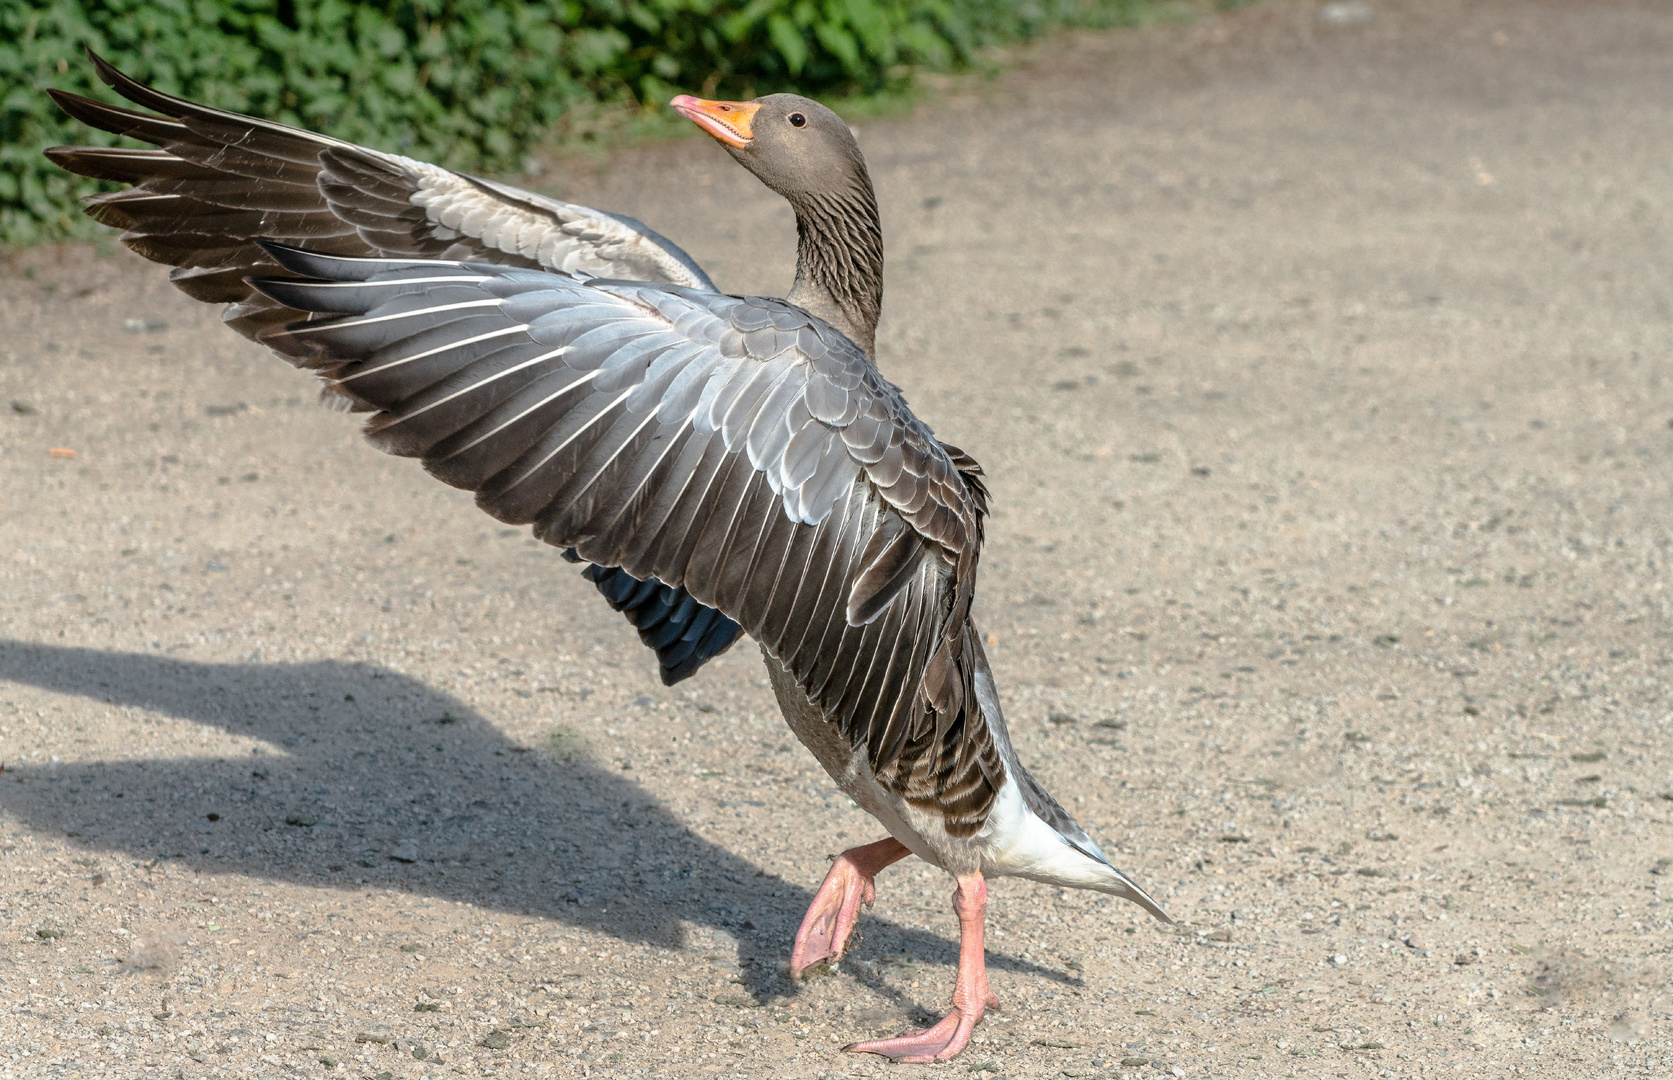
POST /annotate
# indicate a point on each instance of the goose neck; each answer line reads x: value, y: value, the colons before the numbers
x: 839, y: 260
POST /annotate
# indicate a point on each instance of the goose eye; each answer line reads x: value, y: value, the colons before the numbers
x: 797, y: 120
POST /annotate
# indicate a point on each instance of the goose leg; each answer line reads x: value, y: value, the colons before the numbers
x: 830, y: 919
x: 971, y: 997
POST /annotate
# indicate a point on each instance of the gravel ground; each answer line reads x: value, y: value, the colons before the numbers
x: 1321, y: 372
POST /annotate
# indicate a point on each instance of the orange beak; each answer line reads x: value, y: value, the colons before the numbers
x: 727, y: 121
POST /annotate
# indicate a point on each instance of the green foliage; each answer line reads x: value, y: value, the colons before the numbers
x: 466, y: 83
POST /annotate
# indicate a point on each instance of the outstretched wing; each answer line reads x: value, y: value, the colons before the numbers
x: 735, y: 447
x: 218, y: 181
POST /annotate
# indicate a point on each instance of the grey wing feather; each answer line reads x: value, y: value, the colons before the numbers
x: 693, y: 439
x: 220, y: 181
x: 215, y: 183
x: 564, y: 236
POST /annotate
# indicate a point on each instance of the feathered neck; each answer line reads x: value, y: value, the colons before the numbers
x: 839, y: 258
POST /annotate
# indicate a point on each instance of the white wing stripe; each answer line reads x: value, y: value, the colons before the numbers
x: 439, y: 349
x: 576, y: 434
x: 138, y: 195
x: 542, y: 403
x: 650, y: 418
x: 391, y: 283
x: 479, y: 384
x: 671, y: 443
x: 314, y: 328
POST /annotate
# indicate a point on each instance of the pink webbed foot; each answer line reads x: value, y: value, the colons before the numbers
x: 847, y: 888
x: 971, y: 997
x: 943, y: 1042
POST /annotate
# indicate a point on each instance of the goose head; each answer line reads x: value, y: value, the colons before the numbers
x: 808, y: 154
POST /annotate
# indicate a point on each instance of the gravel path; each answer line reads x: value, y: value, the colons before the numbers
x: 1321, y: 373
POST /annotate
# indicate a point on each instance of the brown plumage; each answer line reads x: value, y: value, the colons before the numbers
x: 723, y: 463
x: 669, y: 504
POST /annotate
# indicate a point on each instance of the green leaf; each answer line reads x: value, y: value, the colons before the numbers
x: 789, y: 42
x: 842, y: 44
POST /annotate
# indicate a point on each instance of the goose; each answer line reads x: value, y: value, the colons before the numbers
x: 719, y: 464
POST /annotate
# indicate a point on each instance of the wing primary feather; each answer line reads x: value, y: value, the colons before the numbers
x: 344, y: 297
x: 532, y: 469
x: 681, y: 647
x: 901, y: 726
x: 721, y: 635
x: 779, y: 618
x: 604, y: 458
x: 389, y: 365
x: 338, y: 325
x: 743, y: 545
x: 730, y: 503
x: 538, y: 481
x: 825, y: 650
x: 873, y: 695
x: 580, y: 380
x: 674, y: 623
x: 772, y: 551
x: 885, y: 574
x: 472, y: 387
x: 116, y: 120
x: 815, y: 606
x: 327, y: 266
x: 672, y: 549
x: 683, y: 633
x: 643, y: 511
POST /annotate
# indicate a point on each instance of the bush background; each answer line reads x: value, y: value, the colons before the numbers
x: 471, y: 84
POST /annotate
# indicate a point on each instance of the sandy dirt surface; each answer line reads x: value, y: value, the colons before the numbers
x: 1322, y: 376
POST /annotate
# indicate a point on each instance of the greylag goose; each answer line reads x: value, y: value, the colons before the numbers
x: 721, y: 464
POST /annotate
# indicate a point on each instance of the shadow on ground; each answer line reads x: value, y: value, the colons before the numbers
x: 371, y: 776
